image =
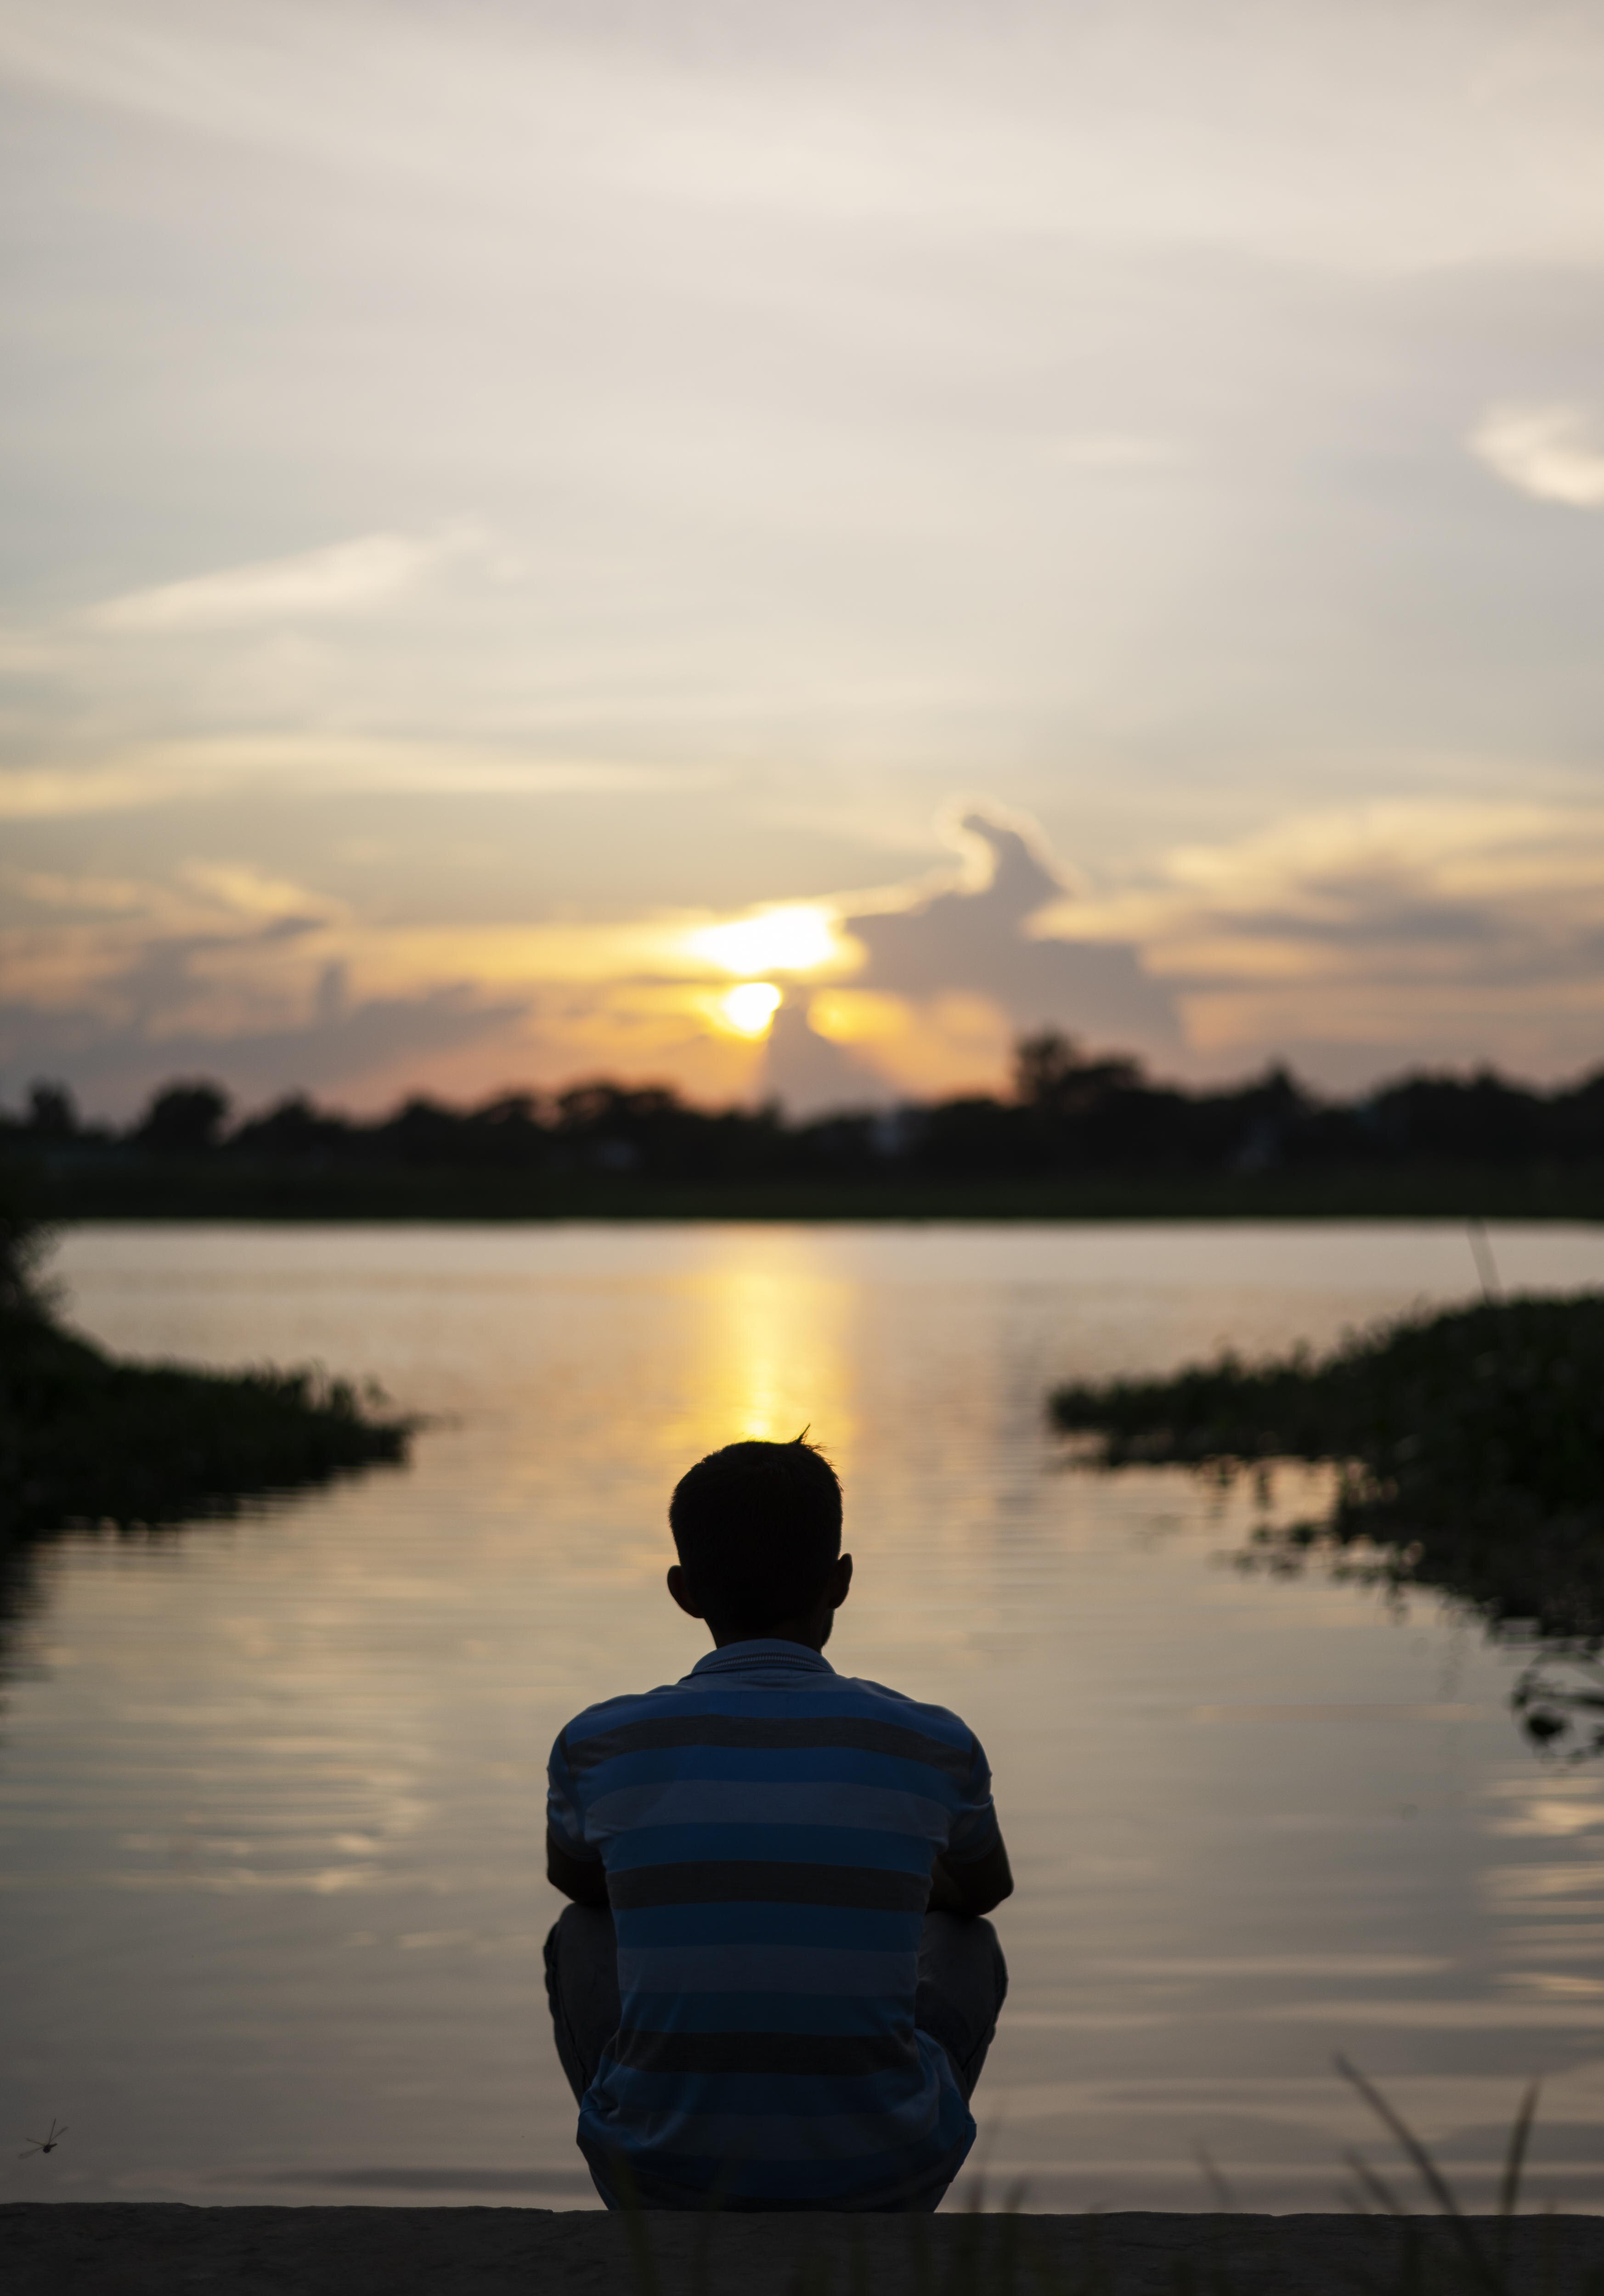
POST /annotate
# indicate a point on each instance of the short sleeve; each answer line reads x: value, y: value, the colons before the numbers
x: 975, y: 1830
x: 563, y: 1815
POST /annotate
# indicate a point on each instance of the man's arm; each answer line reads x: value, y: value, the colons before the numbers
x: 582, y: 1879
x: 972, y: 1888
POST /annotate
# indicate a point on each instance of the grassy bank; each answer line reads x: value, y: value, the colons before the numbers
x: 85, y: 1440
x: 226, y: 1186
x: 1470, y: 1446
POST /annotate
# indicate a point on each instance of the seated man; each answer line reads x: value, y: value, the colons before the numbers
x: 773, y: 1989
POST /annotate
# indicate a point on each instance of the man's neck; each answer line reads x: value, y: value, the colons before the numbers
x: 809, y: 1632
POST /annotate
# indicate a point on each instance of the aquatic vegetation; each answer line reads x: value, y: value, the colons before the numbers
x: 85, y: 1440
x: 1470, y: 1447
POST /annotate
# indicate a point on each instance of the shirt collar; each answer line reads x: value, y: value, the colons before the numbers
x: 765, y: 1653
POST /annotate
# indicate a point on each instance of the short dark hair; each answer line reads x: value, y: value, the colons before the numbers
x: 758, y: 1527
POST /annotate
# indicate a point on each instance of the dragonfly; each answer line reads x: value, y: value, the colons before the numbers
x: 45, y: 2143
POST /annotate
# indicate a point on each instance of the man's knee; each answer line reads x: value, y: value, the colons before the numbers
x: 963, y: 1983
x: 960, y: 1952
x: 581, y: 1944
x: 581, y: 1986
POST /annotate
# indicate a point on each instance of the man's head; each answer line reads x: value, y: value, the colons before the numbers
x: 758, y: 1529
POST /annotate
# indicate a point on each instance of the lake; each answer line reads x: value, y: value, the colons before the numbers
x: 271, y: 1789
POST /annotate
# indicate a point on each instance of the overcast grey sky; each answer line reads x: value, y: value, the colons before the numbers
x: 492, y: 491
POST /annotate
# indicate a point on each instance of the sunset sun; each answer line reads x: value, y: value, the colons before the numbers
x: 749, y: 1009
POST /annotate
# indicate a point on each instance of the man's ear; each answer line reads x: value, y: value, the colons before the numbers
x: 679, y: 1589
x: 841, y: 1584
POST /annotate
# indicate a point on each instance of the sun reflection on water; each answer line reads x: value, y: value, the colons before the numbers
x: 768, y: 1353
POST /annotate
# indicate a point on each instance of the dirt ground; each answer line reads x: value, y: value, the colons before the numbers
x: 113, y: 2249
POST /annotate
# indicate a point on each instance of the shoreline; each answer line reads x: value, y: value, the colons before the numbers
x: 89, y: 1439
x: 218, y: 1190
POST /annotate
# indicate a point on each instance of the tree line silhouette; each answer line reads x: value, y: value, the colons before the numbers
x: 1069, y: 1115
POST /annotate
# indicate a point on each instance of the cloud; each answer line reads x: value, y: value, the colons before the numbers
x: 373, y: 1048
x: 917, y: 989
x: 949, y: 974
x: 292, y: 1004
x: 345, y: 578
x: 1554, y: 452
x: 1115, y: 450
x: 809, y: 1072
x: 221, y: 970
x: 1351, y: 941
x: 1364, y: 132
x: 1415, y: 930
x: 995, y: 933
x: 314, y: 764
x: 272, y: 985
x: 227, y: 946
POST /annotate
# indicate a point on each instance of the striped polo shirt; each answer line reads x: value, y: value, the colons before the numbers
x: 767, y: 1827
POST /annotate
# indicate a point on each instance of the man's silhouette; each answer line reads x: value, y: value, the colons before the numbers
x: 773, y: 1989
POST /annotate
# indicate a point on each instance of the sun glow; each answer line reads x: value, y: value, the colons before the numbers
x: 750, y: 1008
x: 796, y: 939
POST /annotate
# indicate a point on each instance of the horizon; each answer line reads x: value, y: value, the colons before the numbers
x: 543, y: 1101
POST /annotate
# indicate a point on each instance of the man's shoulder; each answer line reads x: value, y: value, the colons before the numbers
x: 913, y: 1713
x: 819, y: 1697
x: 618, y: 1712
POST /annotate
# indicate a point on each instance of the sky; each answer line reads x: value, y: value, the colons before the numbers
x: 773, y: 548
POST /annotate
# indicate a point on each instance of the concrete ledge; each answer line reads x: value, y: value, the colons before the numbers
x: 117, y: 2249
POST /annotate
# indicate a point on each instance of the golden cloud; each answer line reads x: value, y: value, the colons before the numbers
x: 1394, y: 924
x: 1472, y: 927
x: 955, y: 1042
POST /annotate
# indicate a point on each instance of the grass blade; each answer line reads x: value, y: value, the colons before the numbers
x: 1509, y: 2191
x: 1372, y: 2182
x: 1225, y: 2200
x: 1431, y: 2176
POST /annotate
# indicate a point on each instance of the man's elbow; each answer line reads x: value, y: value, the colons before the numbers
x: 993, y: 1879
x: 581, y: 1879
x: 989, y: 1894
x: 581, y: 1890
x: 979, y: 1887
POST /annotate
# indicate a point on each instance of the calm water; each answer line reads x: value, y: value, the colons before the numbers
x: 270, y: 1791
